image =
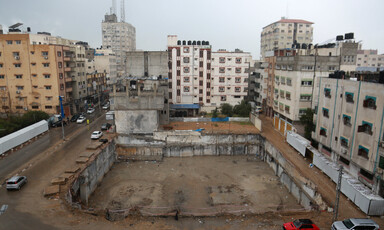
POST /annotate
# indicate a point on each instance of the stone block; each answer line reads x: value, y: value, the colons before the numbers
x: 52, y: 190
x: 58, y: 181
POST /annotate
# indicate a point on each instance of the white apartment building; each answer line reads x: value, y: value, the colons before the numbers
x: 230, y: 71
x: 284, y: 33
x: 369, y: 58
x: 200, y: 79
x: 349, y: 128
x: 104, y: 61
x: 120, y: 37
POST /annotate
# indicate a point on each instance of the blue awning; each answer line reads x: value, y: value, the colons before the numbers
x: 185, y: 106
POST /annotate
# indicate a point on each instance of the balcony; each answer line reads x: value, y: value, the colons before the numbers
x: 68, y: 79
x: 67, y: 58
x: 68, y: 89
x: 69, y: 69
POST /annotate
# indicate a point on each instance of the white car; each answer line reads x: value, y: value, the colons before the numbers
x: 81, y: 119
x: 90, y: 110
x: 106, y: 106
x: 96, y: 135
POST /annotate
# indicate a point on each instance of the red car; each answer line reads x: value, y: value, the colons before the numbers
x: 300, y: 224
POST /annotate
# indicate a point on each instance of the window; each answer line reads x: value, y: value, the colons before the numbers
x: 366, y: 127
x: 238, y: 70
x: 222, y: 59
x: 282, y: 94
x: 369, y: 102
x: 48, y: 107
x: 33, y: 64
x: 325, y: 112
x: 238, y: 60
x: 60, y: 64
x: 186, y: 69
x: 9, y: 42
x: 302, y: 111
x: 344, y: 142
x: 19, y: 87
x: 327, y: 92
x: 238, y: 80
x: 185, y: 50
x: 17, y: 65
x: 2, y: 76
x: 186, y: 79
x: 18, y: 42
x: 223, y: 98
x: 349, y: 97
x: 289, y: 81
x: 46, y: 64
x: 221, y: 79
x: 186, y: 59
x: 347, y: 120
x: 34, y: 75
x: 323, y: 132
x: 288, y: 95
x: 287, y: 109
x: 363, y: 152
x: 237, y: 89
x: 221, y: 70
x: 19, y: 107
x: 282, y: 80
x: 186, y: 88
x: 35, y: 107
x: 44, y: 53
x: 48, y: 87
x: 305, y: 97
x: 306, y: 83
x: 19, y: 76
x: 3, y: 88
x: 221, y: 89
x: 47, y: 76
x: 59, y: 53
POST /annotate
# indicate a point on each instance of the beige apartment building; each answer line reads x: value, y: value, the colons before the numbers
x: 32, y: 76
x: 349, y: 128
x: 284, y: 33
x: 369, y: 58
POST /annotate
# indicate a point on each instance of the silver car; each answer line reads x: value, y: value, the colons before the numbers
x: 15, y: 183
x: 355, y: 223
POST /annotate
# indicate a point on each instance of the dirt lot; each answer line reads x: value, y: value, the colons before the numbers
x: 194, y: 186
x: 215, y: 127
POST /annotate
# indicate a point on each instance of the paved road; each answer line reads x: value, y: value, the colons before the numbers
x: 22, y: 212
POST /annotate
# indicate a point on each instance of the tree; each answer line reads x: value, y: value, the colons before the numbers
x: 32, y: 117
x: 243, y: 109
x: 214, y: 113
x: 227, y: 109
x: 307, y: 120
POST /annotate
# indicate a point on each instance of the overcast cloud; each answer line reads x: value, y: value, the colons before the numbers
x: 227, y: 24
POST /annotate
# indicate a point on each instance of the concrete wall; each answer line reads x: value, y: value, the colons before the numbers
x: 147, y: 63
x: 93, y: 174
x: 256, y: 121
x: 136, y: 121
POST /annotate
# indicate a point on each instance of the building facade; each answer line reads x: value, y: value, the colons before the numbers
x: 284, y: 33
x: 120, y: 37
x: 257, y: 84
x: 103, y: 61
x: 369, y: 58
x: 147, y: 64
x: 349, y: 127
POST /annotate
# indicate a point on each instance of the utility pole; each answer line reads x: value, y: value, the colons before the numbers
x: 338, y: 187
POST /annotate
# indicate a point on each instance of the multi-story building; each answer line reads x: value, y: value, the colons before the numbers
x: 229, y: 83
x: 284, y: 34
x: 103, y: 61
x: 120, y: 37
x: 96, y: 86
x: 201, y: 80
x: 32, y: 76
x: 369, y: 58
x: 144, y: 64
x: 257, y: 84
x: 349, y: 127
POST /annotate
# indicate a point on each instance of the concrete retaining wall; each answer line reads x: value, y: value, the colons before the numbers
x: 94, y: 173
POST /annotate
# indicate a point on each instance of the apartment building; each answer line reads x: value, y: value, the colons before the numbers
x: 229, y: 83
x: 257, y: 84
x: 284, y: 34
x: 120, y: 37
x: 369, y: 58
x: 103, y: 61
x: 349, y: 127
x: 201, y: 80
x: 32, y: 76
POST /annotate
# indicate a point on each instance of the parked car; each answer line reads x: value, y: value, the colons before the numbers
x: 258, y: 109
x: 58, y: 123
x: 15, y: 183
x: 105, y: 126
x: 90, y: 110
x: 106, y: 106
x: 81, y: 119
x: 355, y: 223
x: 75, y: 117
x: 96, y: 135
x: 300, y: 224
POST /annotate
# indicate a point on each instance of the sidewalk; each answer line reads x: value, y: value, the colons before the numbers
x: 325, y: 186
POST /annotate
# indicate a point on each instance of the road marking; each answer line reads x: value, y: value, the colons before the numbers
x: 3, y: 208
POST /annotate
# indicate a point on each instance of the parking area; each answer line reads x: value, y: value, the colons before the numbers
x: 196, y: 186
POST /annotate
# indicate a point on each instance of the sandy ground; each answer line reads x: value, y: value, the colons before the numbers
x: 194, y: 186
x: 215, y: 127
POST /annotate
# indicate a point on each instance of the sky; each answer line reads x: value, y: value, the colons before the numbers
x: 226, y: 24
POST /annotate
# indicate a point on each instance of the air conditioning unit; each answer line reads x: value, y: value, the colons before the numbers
x: 45, y: 57
x: 17, y: 57
x: 26, y: 108
x: 18, y: 91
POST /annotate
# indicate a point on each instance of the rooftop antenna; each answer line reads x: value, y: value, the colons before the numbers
x: 122, y: 13
x: 113, y: 10
x: 287, y: 10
